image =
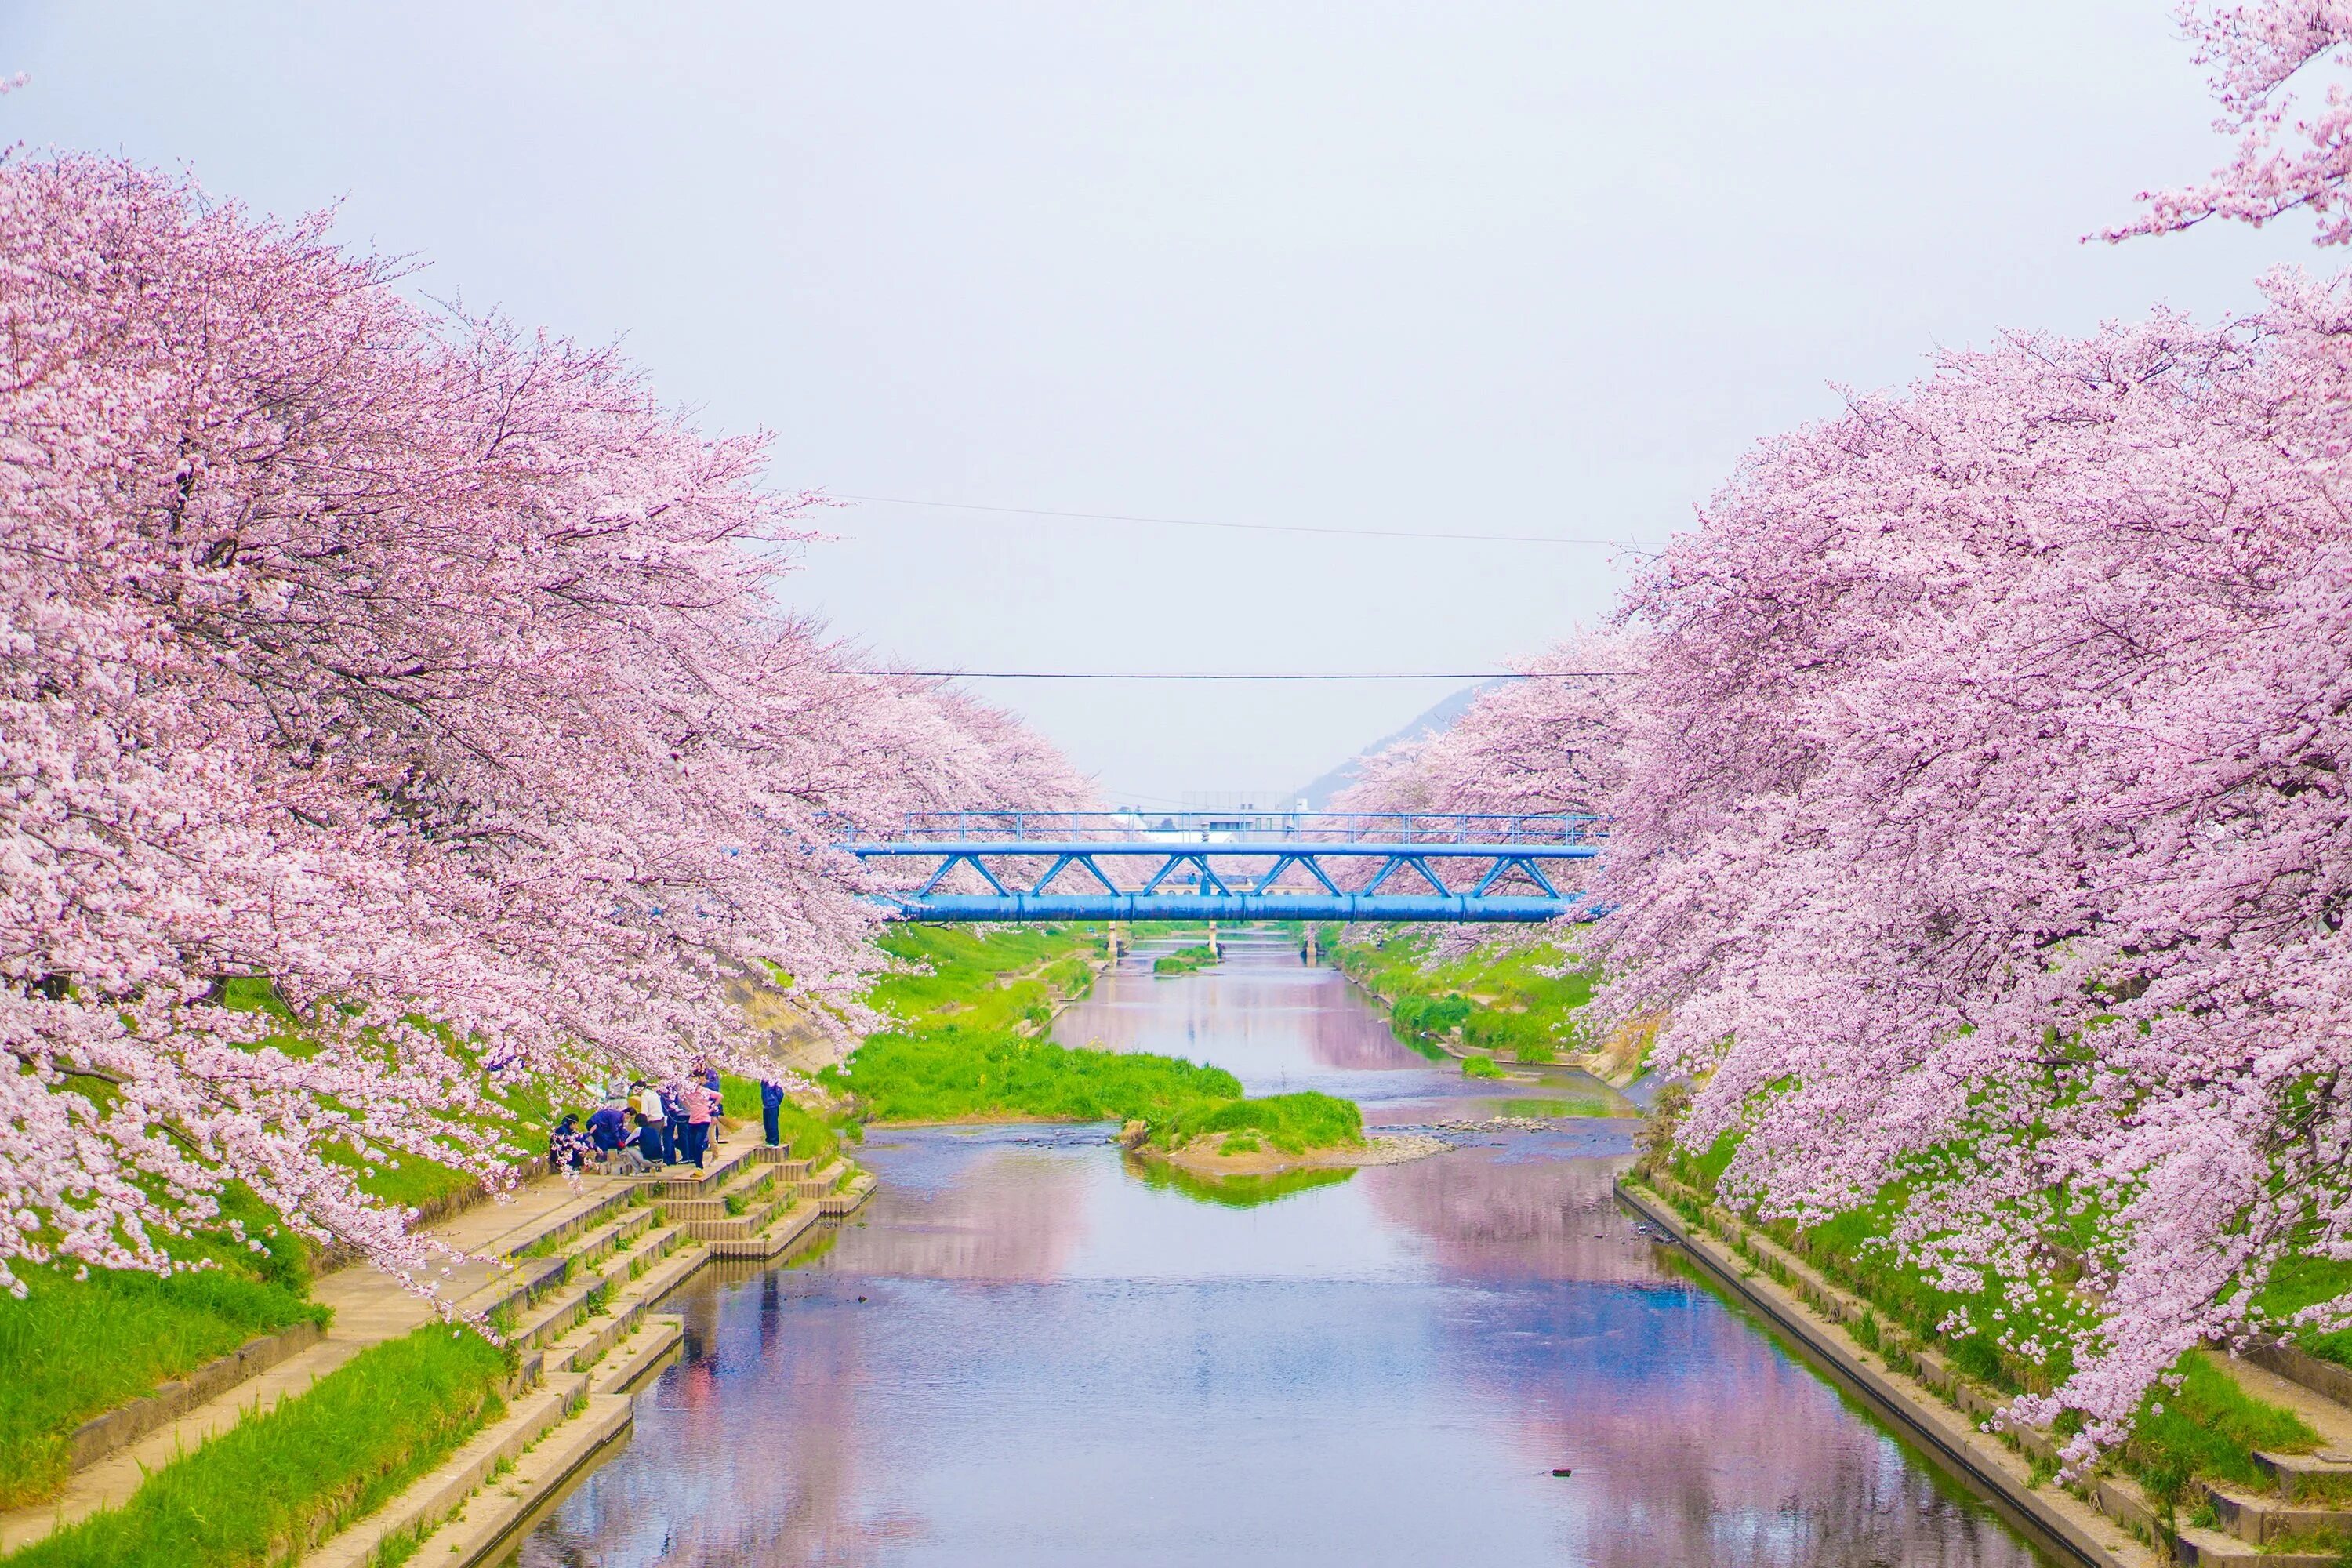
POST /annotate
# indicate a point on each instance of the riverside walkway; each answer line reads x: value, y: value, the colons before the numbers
x: 1419, y: 868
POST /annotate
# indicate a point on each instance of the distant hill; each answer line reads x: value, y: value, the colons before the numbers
x: 1317, y: 795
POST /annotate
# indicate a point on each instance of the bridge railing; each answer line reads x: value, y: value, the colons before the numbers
x: 1346, y: 866
x: 1246, y: 827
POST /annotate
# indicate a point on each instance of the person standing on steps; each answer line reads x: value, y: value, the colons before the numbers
x: 700, y: 1107
x: 673, y: 1098
x: 771, y: 1107
x: 718, y: 1104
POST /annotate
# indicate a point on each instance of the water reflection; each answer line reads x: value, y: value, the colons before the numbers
x: 1237, y: 1191
x: 1024, y: 1353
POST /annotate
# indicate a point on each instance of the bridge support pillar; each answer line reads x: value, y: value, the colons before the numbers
x: 1118, y: 941
x: 1310, y: 949
x: 1216, y: 948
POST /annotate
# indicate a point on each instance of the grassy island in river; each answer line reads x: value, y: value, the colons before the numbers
x: 967, y: 1044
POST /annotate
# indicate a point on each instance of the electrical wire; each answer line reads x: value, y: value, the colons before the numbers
x: 1205, y: 675
x: 1641, y: 546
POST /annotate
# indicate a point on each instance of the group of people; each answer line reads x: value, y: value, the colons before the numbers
x: 641, y: 1126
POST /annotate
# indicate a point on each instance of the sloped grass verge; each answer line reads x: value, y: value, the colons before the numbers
x: 2207, y: 1428
x: 1489, y: 1001
x: 274, y: 1485
x: 75, y: 1348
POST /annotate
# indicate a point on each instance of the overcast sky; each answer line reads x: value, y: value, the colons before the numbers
x: 1455, y: 268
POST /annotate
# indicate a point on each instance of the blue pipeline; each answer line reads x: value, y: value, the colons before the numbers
x: 1375, y: 907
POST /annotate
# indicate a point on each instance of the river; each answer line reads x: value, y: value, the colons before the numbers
x: 1028, y: 1349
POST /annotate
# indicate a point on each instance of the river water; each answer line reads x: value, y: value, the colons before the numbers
x: 1028, y: 1349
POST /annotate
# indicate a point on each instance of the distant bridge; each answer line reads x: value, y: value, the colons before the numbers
x: 1227, y: 866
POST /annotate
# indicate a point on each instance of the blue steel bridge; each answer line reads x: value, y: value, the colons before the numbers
x: 1225, y: 866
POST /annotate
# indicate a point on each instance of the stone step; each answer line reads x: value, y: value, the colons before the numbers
x: 789, y: 1224
x: 616, y: 1236
x: 519, y: 1284
x: 852, y: 1193
x: 593, y: 1335
x: 2323, y: 1378
x: 655, y: 1337
x: 444, y: 1490
x: 721, y: 1163
x: 2267, y: 1521
x: 480, y: 1527
x: 750, y: 1222
x: 750, y: 1186
x: 553, y: 1208
x: 547, y: 1317
x: 2202, y: 1548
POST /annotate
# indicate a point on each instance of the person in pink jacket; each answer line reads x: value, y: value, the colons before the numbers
x: 701, y: 1108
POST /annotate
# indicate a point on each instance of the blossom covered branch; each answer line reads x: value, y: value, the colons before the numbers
x: 421, y: 665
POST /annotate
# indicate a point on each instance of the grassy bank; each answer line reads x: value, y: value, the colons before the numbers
x: 1501, y: 1004
x: 806, y: 1134
x: 1184, y: 960
x: 968, y: 1046
x: 77, y: 1347
x: 2206, y: 1429
x: 267, y: 1488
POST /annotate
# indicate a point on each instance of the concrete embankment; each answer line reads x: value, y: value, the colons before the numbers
x: 2299, y: 1521
x: 1910, y: 1402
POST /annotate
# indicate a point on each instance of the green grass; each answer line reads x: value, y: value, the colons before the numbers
x: 77, y: 1348
x: 274, y: 1484
x: 2207, y: 1430
x: 1497, y: 1002
x: 1293, y: 1123
x: 1184, y: 960
x: 967, y: 1049
x: 1480, y: 1067
x: 985, y: 978
x: 2305, y: 1282
x: 1240, y: 1192
x: 952, y: 1073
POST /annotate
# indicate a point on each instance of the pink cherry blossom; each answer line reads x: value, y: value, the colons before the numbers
x: 2288, y: 156
x: 425, y: 667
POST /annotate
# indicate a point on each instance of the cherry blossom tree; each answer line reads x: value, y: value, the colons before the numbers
x: 426, y: 668
x: 1983, y: 826
x: 2288, y: 157
x: 1978, y: 819
x: 1550, y: 743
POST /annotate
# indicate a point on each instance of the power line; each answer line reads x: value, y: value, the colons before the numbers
x: 1644, y: 547
x: 1204, y: 675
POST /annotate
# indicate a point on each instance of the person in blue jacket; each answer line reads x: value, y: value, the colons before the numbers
x: 772, y: 1105
x: 608, y: 1129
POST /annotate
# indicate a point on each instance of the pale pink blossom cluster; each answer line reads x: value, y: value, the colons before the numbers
x: 1985, y: 826
x: 423, y: 666
x: 2289, y: 154
x: 1550, y: 743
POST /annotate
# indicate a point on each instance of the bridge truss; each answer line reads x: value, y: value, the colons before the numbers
x: 1118, y: 866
